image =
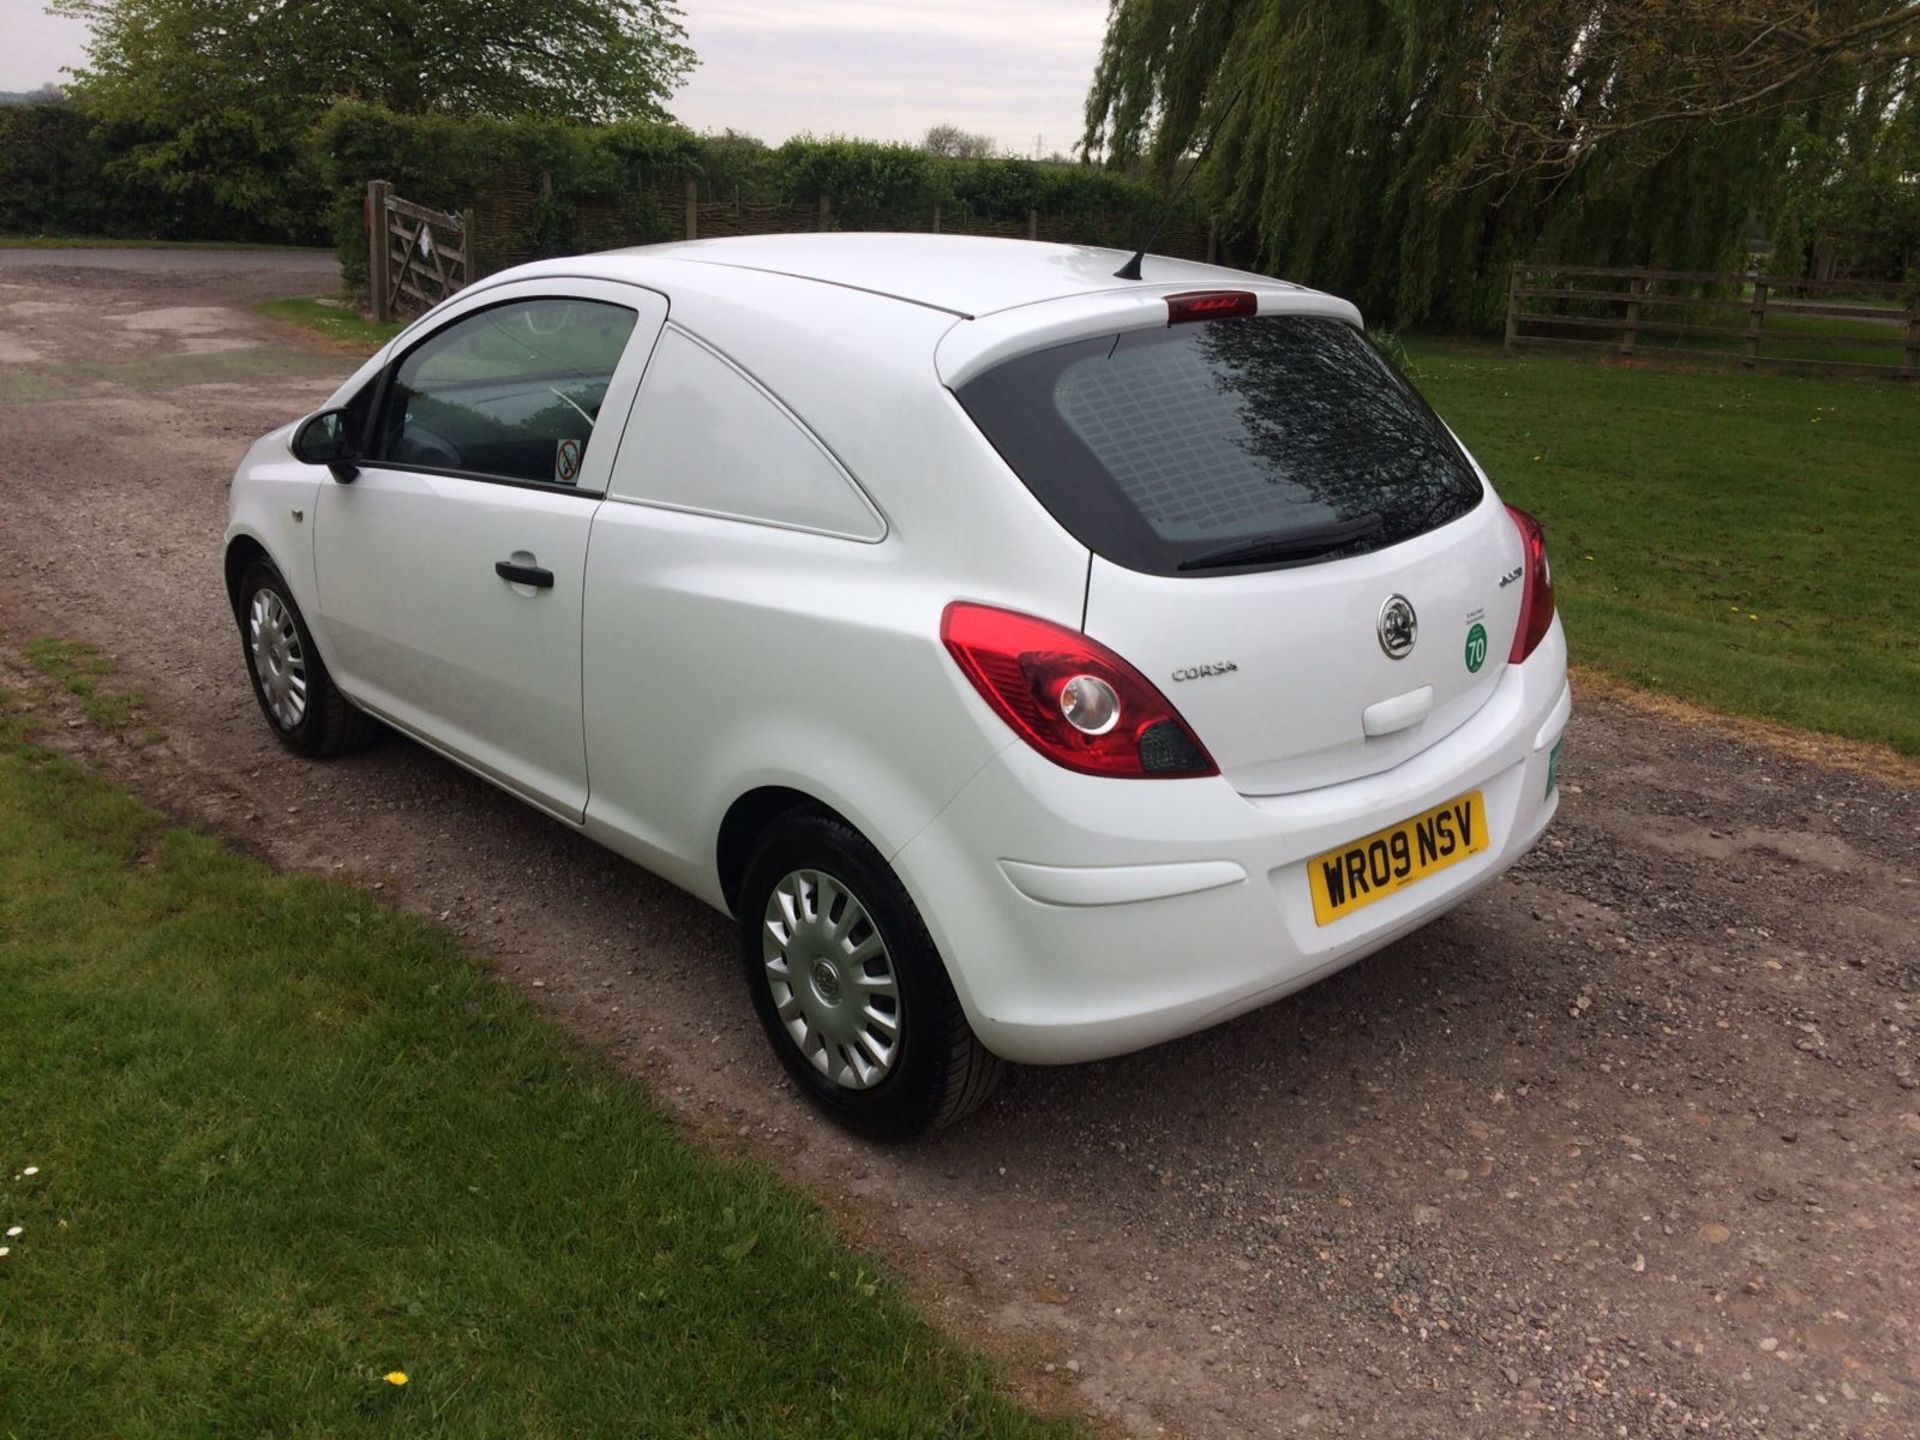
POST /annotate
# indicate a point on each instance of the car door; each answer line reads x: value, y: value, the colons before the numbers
x: 451, y: 567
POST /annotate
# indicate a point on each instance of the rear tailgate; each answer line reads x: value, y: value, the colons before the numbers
x: 1308, y: 667
x: 1285, y: 539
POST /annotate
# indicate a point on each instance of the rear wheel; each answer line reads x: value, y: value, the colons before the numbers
x: 296, y: 694
x: 847, y: 982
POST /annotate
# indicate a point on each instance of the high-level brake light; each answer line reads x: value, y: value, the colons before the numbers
x: 1211, y: 305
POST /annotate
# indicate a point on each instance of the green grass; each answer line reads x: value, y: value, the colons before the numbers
x: 289, y: 1142
x: 346, y: 325
x: 1747, y: 542
x: 82, y: 670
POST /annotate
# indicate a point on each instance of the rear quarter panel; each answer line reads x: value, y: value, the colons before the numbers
x: 722, y: 655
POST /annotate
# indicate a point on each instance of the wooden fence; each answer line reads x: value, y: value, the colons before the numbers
x: 417, y: 256
x: 1755, y: 319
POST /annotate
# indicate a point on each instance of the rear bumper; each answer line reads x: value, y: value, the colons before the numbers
x: 1084, y: 917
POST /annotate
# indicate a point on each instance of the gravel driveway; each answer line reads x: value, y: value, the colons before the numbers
x: 1627, y: 1146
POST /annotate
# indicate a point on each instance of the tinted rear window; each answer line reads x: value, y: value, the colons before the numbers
x: 1164, y: 448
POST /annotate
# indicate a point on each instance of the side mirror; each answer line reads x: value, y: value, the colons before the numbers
x: 328, y: 439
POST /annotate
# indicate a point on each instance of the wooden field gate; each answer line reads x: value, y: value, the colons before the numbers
x: 416, y: 257
x: 1672, y: 312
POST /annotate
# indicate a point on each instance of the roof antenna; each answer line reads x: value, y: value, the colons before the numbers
x: 1131, y: 270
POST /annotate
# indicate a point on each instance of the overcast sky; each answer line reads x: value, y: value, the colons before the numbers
x: 883, y: 69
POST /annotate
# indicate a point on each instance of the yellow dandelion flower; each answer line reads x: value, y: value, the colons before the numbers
x: 396, y: 1377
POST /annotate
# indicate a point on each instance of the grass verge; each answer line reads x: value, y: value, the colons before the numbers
x: 1746, y: 542
x: 301, y: 1169
x: 85, y: 672
x: 335, y: 322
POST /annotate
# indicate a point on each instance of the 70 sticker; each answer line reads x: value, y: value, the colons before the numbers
x: 1476, y: 647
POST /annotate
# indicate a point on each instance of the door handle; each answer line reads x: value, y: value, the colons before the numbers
x: 524, y: 574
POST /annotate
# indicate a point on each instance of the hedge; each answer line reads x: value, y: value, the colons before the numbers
x: 547, y: 187
x: 57, y: 177
x: 541, y: 187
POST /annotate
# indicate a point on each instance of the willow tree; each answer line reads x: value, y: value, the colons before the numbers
x: 1404, y: 151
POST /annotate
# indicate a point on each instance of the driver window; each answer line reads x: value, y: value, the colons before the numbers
x: 511, y: 391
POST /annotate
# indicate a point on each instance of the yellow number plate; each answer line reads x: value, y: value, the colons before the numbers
x: 1389, y: 860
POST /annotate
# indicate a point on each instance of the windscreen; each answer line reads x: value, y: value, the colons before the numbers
x: 1229, y: 444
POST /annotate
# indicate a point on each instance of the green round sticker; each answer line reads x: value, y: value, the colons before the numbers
x: 1476, y: 647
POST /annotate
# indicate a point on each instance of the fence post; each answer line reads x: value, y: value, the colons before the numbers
x: 693, y: 209
x: 1756, y: 320
x: 1513, y: 305
x: 1213, y: 240
x: 470, y: 272
x: 1637, y: 287
x: 1911, y: 370
x: 826, y: 211
x: 936, y: 219
x: 378, y: 248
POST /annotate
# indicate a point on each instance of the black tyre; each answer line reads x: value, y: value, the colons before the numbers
x: 847, y: 982
x: 290, y: 681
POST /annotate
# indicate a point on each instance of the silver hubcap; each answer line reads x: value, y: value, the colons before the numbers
x: 832, y: 979
x: 278, y: 661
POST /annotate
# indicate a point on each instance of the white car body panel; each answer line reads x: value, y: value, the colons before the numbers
x: 968, y: 276
x: 424, y: 634
x: 1055, y: 977
x: 1292, y: 716
x: 760, y: 656
x: 268, y: 505
x: 689, y: 654
x: 969, y: 349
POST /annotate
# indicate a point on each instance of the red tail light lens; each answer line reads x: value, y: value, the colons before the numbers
x: 1071, y: 698
x: 1211, y: 305
x: 1536, y: 593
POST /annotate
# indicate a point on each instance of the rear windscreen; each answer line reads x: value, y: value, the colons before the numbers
x: 1226, y: 444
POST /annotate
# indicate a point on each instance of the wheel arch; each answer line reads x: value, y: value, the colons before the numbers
x: 747, y: 819
x: 242, y: 550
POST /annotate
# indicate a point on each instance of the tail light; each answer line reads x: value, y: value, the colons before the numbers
x: 1536, y: 593
x: 1071, y: 698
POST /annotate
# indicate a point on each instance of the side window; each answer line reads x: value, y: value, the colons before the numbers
x: 511, y: 391
x: 704, y: 437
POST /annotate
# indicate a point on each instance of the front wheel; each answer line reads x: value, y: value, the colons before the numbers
x: 296, y: 694
x: 849, y: 987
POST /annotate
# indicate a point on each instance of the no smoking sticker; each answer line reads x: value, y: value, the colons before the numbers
x: 566, y: 462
